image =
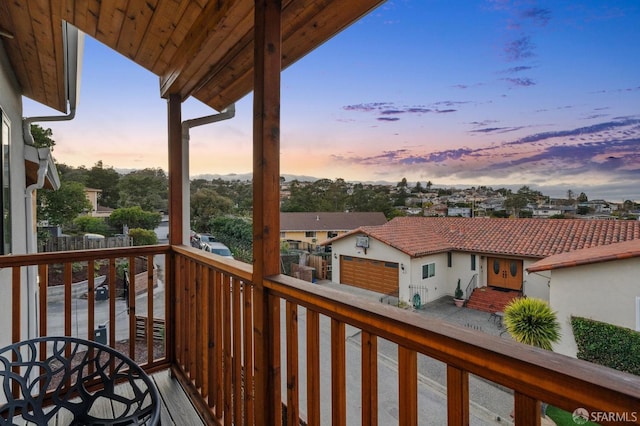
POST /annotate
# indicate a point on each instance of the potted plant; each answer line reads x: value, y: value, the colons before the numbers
x: 458, y: 297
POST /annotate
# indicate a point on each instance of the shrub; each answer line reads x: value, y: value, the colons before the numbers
x: 607, y: 344
x: 531, y: 321
x: 143, y: 237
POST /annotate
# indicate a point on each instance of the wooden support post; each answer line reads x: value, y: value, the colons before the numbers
x: 175, y: 169
x: 266, y: 204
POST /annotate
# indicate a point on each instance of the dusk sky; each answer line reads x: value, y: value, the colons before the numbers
x: 487, y: 92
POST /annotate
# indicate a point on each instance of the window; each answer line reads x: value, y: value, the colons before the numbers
x: 473, y: 262
x: 428, y: 270
x: 5, y: 198
x: 310, y: 234
x: 331, y: 234
x: 449, y: 259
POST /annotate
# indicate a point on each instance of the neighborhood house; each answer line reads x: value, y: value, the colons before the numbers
x: 421, y: 259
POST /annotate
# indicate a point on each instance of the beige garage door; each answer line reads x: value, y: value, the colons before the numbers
x: 374, y: 275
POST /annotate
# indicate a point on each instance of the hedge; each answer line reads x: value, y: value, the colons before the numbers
x: 607, y: 344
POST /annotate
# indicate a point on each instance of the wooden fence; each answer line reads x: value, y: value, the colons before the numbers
x: 69, y: 243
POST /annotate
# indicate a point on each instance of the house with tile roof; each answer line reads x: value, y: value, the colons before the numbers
x: 315, y: 227
x: 600, y: 283
x: 428, y: 255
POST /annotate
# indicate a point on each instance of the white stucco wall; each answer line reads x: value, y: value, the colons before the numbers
x: 604, y: 292
x: 535, y: 285
x: 376, y: 251
x: 11, y: 104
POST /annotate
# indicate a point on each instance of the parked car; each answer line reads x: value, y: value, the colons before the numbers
x: 201, y: 240
x: 219, y: 249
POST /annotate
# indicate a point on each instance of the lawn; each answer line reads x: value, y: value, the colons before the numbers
x: 563, y: 418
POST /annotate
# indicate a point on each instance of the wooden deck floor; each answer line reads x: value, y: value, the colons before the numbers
x: 176, y: 407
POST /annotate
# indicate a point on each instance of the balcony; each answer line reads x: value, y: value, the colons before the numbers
x: 210, y: 332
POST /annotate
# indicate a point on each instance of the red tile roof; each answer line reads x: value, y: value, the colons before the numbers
x: 329, y: 221
x: 536, y: 238
x: 617, y: 251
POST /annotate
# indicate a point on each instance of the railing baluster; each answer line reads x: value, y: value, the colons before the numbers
x: 313, y: 368
x: 249, y: 415
x: 293, y: 411
x: 369, y: 379
x: 226, y: 345
x: 457, y: 396
x: 198, y: 330
x: 112, y: 302
x: 15, y: 320
x: 218, y: 345
x: 131, y: 307
x: 91, y: 300
x: 191, y: 321
x: 274, y: 369
x: 151, y: 312
x: 236, y: 337
x: 526, y: 411
x: 408, y: 383
x: 43, y: 279
x: 338, y: 374
x: 203, y: 331
x: 67, y: 299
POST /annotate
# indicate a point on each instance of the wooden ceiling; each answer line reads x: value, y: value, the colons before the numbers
x: 200, y: 48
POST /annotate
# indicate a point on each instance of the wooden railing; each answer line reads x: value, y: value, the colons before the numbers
x: 211, y: 338
x: 113, y: 318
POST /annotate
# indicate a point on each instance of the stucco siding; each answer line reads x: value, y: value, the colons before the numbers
x: 376, y: 251
x: 591, y: 291
x: 11, y: 104
x: 437, y: 286
x: 537, y: 284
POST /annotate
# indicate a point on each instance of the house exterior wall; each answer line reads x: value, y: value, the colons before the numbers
x: 589, y: 291
x: 376, y: 251
x: 535, y: 285
x: 437, y: 286
x: 320, y: 236
x: 11, y: 105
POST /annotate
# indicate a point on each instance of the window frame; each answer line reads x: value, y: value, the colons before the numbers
x: 5, y: 183
x: 428, y: 270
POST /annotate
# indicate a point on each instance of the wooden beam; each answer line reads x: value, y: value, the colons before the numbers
x: 266, y: 203
x: 174, y: 104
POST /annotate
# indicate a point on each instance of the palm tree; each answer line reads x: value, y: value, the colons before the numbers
x: 531, y: 321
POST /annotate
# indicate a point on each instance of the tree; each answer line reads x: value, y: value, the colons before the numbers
x: 401, y: 195
x: 143, y: 237
x: 135, y: 217
x: 94, y: 225
x: 106, y: 180
x: 62, y: 206
x: 569, y: 195
x: 531, y: 321
x: 42, y: 138
x: 146, y: 188
x: 236, y: 233
x: 206, y: 204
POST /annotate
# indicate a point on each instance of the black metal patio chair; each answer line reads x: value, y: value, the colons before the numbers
x: 71, y: 381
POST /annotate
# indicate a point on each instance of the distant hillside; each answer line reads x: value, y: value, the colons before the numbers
x: 249, y: 176
x: 288, y: 178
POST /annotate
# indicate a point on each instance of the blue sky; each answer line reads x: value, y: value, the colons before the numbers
x: 464, y: 93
